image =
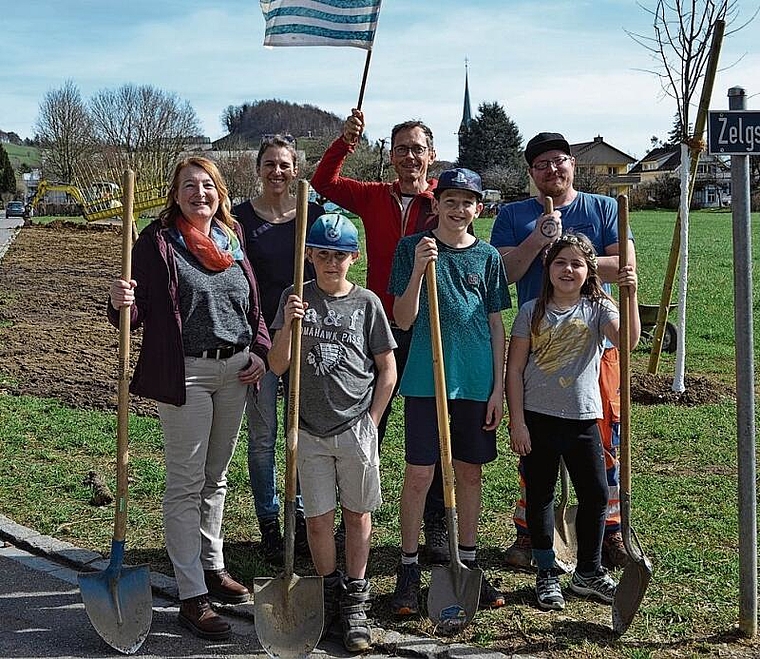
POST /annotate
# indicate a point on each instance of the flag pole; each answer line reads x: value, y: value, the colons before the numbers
x: 364, y: 79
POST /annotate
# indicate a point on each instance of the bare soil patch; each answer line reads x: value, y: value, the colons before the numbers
x: 55, y: 339
x: 658, y: 390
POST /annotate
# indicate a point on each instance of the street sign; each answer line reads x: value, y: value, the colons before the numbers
x: 733, y: 132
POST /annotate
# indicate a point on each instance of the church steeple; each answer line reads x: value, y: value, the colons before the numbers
x: 466, y: 112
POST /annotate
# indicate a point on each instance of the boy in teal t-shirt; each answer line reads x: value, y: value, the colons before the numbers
x: 472, y: 291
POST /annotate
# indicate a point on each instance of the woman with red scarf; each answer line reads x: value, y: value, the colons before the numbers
x: 204, y: 341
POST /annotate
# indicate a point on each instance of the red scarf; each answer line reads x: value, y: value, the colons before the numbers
x: 203, y: 247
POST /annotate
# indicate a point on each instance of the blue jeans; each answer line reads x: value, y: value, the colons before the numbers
x: 261, y: 412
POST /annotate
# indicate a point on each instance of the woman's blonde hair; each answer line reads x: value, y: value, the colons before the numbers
x: 592, y: 287
x: 171, y: 210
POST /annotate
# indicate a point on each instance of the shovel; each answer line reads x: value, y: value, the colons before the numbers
x: 454, y: 589
x: 638, y: 570
x: 118, y: 600
x: 565, y: 539
x: 289, y: 611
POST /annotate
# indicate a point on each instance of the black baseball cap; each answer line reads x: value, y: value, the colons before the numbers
x: 544, y: 142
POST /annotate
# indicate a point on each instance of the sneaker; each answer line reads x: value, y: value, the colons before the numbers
x: 405, y: 600
x: 357, y: 634
x: 520, y: 554
x: 271, y: 540
x: 436, y: 540
x: 600, y: 585
x: 548, y: 590
x: 302, y: 538
x: 332, y: 589
x: 614, y: 554
x: 490, y: 598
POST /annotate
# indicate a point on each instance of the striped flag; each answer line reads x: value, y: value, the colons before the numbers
x: 320, y: 22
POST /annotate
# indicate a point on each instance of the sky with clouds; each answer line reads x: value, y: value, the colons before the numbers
x: 560, y: 65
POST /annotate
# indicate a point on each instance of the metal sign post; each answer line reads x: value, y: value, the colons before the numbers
x: 738, y: 133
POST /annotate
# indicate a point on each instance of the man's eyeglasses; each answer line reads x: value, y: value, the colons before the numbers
x: 557, y: 162
x: 402, y: 150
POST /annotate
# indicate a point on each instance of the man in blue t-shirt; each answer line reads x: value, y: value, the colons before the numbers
x: 522, y: 233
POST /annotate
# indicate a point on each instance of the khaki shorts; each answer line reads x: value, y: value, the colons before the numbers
x: 348, y: 462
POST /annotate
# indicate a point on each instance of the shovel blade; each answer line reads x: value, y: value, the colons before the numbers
x: 120, y: 605
x: 630, y: 592
x: 565, y: 538
x: 453, y: 596
x: 289, y: 614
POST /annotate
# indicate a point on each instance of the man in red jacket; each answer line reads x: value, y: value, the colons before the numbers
x: 390, y: 211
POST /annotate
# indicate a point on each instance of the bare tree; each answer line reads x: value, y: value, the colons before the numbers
x: 680, y: 45
x: 143, y: 128
x: 64, y: 131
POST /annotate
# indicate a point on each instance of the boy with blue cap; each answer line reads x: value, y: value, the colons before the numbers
x: 347, y: 379
x: 472, y: 291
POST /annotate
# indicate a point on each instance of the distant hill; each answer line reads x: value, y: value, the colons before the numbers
x: 23, y: 158
x: 247, y: 123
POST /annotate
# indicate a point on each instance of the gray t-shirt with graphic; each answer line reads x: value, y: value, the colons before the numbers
x: 339, y: 338
x: 561, y: 377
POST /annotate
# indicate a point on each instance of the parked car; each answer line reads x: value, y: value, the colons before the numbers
x: 14, y: 209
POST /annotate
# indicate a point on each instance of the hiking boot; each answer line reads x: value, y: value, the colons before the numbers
x: 548, y: 590
x: 406, y: 595
x: 357, y: 634
x: 436, y: 540
x: 271, y: 540
x: 302, y: 538
x: 520, y: 553
x: 221, y: 586
x: 197, y: 615
x: 490, y: 598
x: 614, y: 554
x: 600, y: 585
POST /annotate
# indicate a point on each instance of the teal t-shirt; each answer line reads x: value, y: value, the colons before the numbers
x: 471, y: 285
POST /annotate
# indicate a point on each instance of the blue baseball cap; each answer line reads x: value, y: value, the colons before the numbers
x: 459, y: 179
x: 333, y: 231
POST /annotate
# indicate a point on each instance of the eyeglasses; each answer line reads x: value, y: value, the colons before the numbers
x: 557, y: 162
x: 402, y: 150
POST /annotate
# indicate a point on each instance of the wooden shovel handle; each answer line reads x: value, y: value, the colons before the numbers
x: 441, y: 396
x: 122, y: 424
x: 302, y: 207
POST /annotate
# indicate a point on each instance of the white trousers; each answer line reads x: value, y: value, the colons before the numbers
x: 199, y: 440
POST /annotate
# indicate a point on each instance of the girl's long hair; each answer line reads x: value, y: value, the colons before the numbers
x: 171, y: 210
x: 592, y: 287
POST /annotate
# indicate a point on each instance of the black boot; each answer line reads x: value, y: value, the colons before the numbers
x: 271, y: 540
x: 357, y: 633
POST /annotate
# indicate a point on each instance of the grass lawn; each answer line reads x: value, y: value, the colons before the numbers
x: 684, y: 488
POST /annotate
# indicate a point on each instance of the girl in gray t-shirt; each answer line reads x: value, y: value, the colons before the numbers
x: 553, y: 397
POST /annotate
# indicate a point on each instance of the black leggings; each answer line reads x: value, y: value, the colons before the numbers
x: 580, y: 445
